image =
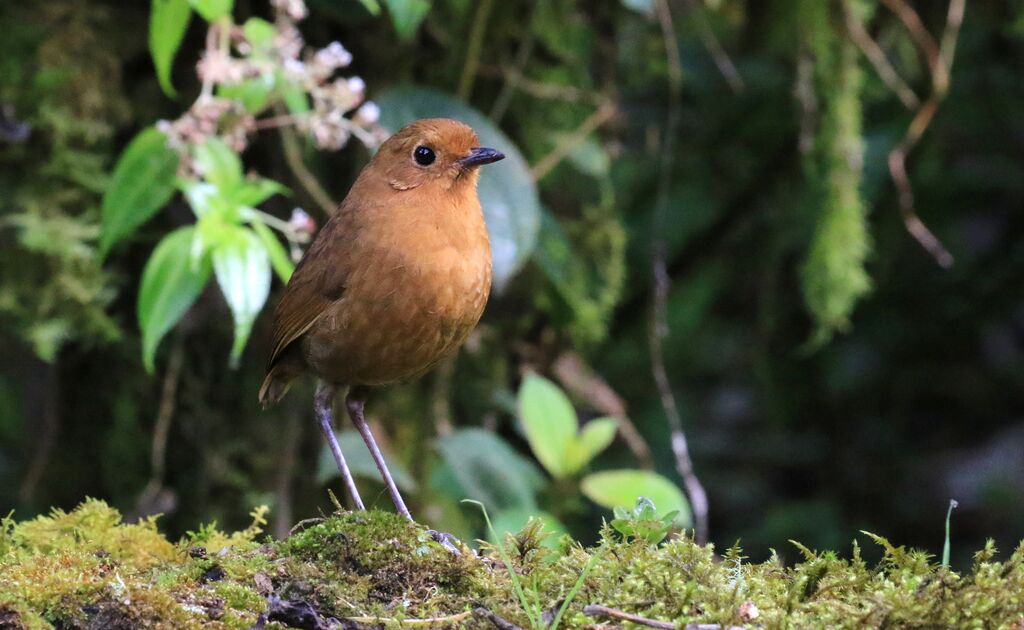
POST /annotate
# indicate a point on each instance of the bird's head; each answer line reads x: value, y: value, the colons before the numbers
x: 432, y: 152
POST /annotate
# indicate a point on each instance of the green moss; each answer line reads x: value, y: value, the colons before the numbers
x: 88, y: 569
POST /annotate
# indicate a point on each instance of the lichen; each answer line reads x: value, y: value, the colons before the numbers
x: 88, y: 569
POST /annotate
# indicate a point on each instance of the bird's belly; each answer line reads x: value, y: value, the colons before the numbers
x: 399, y: 324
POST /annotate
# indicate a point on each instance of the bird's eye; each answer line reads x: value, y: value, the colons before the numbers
x: 424, y: 156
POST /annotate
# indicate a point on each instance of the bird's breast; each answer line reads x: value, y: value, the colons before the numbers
x: 411, y: 297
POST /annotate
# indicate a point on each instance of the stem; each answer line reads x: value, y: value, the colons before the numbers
x: 293, y: 158
x: 476, y: 40
x: 547, y: 163
x: 658, y: 327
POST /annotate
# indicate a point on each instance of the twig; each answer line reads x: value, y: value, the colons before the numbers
x: 543, y: 90
x: 512, y: 79
x: 878, y: 60
x: 595, y: 610
x: 499, y: 622
x: 658, y: 327
x: 564, y: 146
x: 292, y: 438
x: 939, y: 60
x: 44, y: 435
x: 165, y: 413
x: 293, y: 157
x: 922, y: 38
x: 280, y: 120
x: 162, y: 426
x: 476, y: 40
x: 717, y: 52
x: 578, y: 377
x: 429, y: 621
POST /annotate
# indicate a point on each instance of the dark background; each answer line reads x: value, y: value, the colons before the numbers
x: 919, y: 400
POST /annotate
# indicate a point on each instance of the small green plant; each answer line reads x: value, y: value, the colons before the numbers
x: 532, y: 607
x: 643, y: 522
x: 565, y: 450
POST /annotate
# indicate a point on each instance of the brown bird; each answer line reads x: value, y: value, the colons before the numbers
x: 392, y: 284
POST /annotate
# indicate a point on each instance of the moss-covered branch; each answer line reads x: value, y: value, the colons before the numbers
x: 87, y: 569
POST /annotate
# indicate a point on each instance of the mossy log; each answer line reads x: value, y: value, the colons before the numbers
x: 88, y: 569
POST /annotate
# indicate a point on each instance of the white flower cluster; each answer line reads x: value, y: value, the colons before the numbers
x: 338, y: 109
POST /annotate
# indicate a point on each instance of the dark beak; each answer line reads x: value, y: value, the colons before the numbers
x: 481, y: 155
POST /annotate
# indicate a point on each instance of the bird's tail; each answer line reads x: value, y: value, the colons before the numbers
x: 276, y: 385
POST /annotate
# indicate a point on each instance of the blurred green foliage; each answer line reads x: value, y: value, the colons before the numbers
x: 783, y: 228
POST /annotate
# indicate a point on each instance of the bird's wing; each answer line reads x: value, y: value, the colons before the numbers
x: 317, y: 282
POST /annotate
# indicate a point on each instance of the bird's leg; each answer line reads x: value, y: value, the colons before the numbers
x: 355, y: 403
x: 323, y: 402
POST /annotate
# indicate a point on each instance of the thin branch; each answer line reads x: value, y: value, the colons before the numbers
x: 543, y: 90
x: 912, y: 21
x: 165, y: 413
x: 429, y: 621
x: 939, y: 60
x: 162, y: 426
x: 658, y: 326
x: 565, y: 146
x: 954, y: 20
x: 476, y: 40
x: 879, y: 61
x: 512, y: 79
x: 293, y: 158
x: 280, y: 120
x: 499, y: 622
x: 595, y: 610
x: 283, y: 499
x: 581, y: 380
x: 715, y: 49
x: 44, y: 435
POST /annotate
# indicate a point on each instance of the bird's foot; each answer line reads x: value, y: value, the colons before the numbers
x: 449, y: 542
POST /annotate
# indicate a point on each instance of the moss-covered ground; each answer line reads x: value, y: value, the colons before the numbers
x: 88, y: 569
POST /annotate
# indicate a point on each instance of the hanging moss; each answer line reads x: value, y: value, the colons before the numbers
x: 62, y: 79
x: 87, y: 569
x: 834, y: 276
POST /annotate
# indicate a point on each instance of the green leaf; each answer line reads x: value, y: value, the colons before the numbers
x: 406, y: 15
x: 254, y: 93
x: 372, y: 6
x: 359, y: 462
x: 253, y: 192
x: 212, y: 9
x: 641, y: 6
x: 589, y: 157
x: 549, y: 421
x: 621, y: 488
x: 279, y: 258
x: 242, y: 266
x: 295, y: 98
x: 258, y: 32
x: 219, y: 165
x: 171, y: 282
x: 594, y: 438
x: 488, y: 470
x: 508, y: 193
x: 201, y: 196
x: 168, y: 21
x: 142, y: 183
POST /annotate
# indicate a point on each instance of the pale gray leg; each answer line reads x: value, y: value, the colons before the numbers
x: 355, y: 403
x: 323, y: 403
